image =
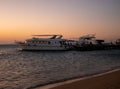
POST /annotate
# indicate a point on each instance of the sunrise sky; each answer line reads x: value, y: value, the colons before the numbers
x: 19, y: 19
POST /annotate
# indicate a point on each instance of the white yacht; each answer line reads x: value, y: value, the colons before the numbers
x: 87, y: 39
x: 40, y: 42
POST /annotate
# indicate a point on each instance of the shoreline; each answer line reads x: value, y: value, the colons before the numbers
x: 75, y: 83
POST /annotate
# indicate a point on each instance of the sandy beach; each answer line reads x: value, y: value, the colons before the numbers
x: 108, y: 80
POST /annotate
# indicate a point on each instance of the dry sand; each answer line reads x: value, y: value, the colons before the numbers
x: 109, y: 80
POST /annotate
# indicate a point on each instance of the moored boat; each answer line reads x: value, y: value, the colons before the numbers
x: 40, y: 42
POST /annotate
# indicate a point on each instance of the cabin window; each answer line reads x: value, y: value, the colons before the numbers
x: 39, y: 42
x: 49, y: 42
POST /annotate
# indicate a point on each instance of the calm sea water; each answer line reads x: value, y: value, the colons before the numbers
x: 25, y: 69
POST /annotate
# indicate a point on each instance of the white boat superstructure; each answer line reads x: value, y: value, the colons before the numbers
x: 87, y: 39
x: 55, y: 42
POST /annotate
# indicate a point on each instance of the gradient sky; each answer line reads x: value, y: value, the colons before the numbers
x: 19, y: 19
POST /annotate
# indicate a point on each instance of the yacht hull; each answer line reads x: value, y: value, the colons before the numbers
x: 42, y: 48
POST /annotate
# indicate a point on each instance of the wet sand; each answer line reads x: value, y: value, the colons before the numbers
x: 106, y: 81
x: 109, y: 80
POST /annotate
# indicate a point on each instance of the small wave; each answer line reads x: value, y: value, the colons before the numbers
x: 29, y: 69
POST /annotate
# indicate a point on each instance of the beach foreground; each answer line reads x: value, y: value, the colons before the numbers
x: 109, y: 80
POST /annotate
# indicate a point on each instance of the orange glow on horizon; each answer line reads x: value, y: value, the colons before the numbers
x: 71, y: 19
